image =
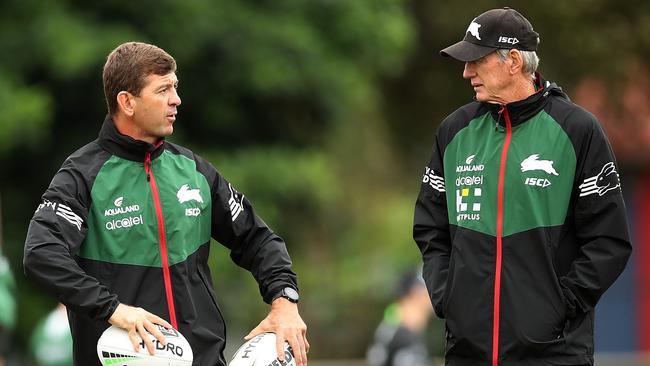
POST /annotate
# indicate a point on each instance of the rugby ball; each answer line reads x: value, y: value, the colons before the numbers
x: 260, y: 351
x: 114, y: 348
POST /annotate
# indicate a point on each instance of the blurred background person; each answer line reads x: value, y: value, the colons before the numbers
x: 7, y: 307
x: 399, y: 338
x: 51, y: 342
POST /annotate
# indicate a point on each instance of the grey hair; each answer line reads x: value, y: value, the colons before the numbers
x: 530, y: 60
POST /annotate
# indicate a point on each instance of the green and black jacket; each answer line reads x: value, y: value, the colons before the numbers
x: 124, y: 221
x: 522, y: 227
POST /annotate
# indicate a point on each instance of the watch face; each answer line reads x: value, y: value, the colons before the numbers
x: 291, y: 293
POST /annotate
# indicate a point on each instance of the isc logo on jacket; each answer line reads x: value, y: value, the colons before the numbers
x: 185, y: 194
x: 534, y: 163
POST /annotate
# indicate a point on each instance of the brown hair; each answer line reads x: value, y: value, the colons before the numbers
x: 128, y: 65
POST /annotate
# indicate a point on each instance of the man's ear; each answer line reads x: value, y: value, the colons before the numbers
x: 126, y: 103
x: 516, y: 61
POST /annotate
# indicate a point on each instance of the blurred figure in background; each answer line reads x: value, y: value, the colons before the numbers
x: 7, y: 307
x: 51, y: 342
x: 399, y: 339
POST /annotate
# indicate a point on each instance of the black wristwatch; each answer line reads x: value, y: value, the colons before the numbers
x: 288, y: 293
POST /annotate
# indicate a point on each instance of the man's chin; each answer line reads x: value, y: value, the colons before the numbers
x: 167, y: 131
x: 486, y: 99
x: 481, y: 97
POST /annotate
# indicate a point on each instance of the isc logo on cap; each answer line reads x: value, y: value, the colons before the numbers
x: 509, y: 40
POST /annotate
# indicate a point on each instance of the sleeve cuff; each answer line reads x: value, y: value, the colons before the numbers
x: 112, y: 306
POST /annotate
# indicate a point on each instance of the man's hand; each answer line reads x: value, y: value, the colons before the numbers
x: 137, y: 321
x: 286, y: 323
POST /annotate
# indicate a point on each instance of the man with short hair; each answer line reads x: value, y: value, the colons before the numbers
x: 520, y: 217
x: 122, y: 235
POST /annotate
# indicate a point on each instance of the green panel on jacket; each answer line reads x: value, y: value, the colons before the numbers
x: 539, y: 175
x: 122, y: 223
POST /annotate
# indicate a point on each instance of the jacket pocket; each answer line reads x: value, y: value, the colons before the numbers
x: 464, y: 347
x: 208, y: 287
x: 533, y: 308
x: 467, y: 299
x: 449, y: 284
x: 534, y: 330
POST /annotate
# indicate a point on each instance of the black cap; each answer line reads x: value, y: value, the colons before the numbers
x: 497, y: 28
x: 410, y: 279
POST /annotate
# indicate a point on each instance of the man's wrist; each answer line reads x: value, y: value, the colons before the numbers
x: 288, y: 293
x: 112, y: 309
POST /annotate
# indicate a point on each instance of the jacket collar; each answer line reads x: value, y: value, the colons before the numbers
x: 523, y: 110
x: 126, y: 147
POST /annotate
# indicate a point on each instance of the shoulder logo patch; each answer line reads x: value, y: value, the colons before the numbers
x: 185, y: 194
x: 533, y: 163
x: 606, y: 180
x: 235, y: 202
x: 63, y: 211
x: 435, y: 181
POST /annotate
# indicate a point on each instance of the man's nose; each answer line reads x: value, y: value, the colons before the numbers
x: 175, y: 99
x: 468, y: 71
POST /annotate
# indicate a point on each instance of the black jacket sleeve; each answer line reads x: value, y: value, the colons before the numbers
x: 600, y: 222
x: 55, y: 233
x: 253, y: 245
x: 431, y: 228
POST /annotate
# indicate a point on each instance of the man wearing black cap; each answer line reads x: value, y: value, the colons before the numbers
x: 520, y: 217
x: 399, y: 338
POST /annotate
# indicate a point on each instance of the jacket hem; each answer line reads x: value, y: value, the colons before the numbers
x: 538, y: 361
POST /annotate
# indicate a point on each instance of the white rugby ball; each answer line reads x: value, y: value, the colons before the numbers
x: 260, y: 351
x: 114, y: 348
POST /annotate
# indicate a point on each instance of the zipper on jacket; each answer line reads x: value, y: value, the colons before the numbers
x: 499, y: 238
x: 162, y: 239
